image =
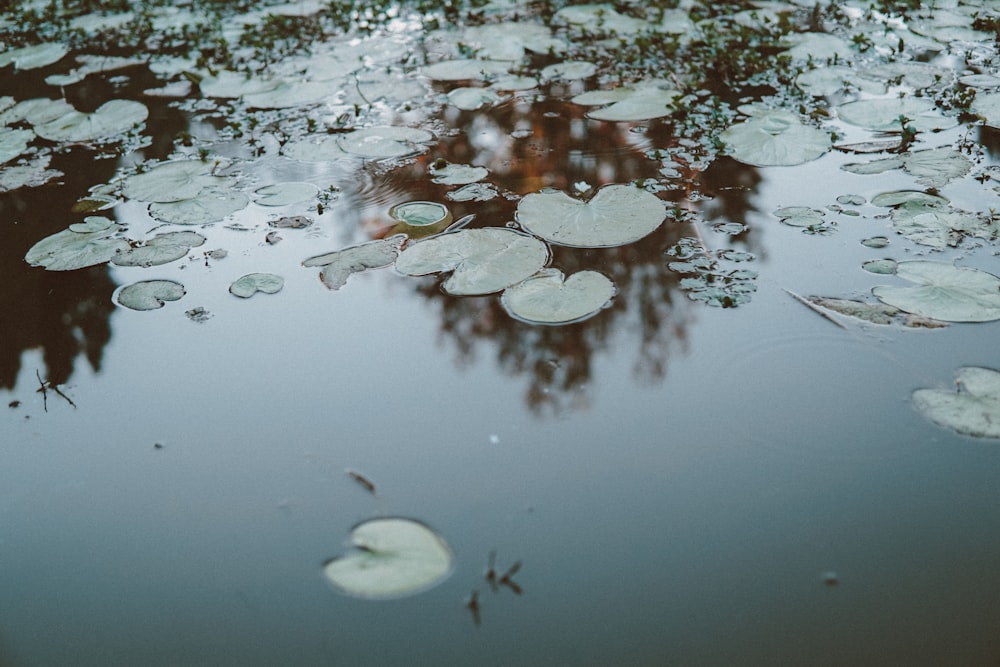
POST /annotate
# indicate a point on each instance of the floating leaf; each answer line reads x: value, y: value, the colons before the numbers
x: 882, y: 115
x: 833, y: 79
x: 458, y: 174
x: 945, y: 292
x: 284, y: 194
x: 470, y: 99
x: 651, y: 99
x: 13, y: 142
x: 616, y: 215
x: 110, y: 119
x: 30, y: 175
x: 885, y: 267
x: 987, y: 107
x: 800, y: 216
x: 150, y: 294
x: 211, y: 205
x: 974, y: 409
x: 386, y: 142
x: 69, y: 250
x: 465, y: 70
x: 933, y: 167
x: 339, y: 265
x: 482, y: 261
x: 420, y: 213
x: 160, y: 249
x: 549, y: 298
x: 34, y: 57
x: 395, y: 557
x: 250, y: 284
x: 875, y: 313
x: 775, y: 138
x: 569, y: 70
x: 930, y: 220
x: 171, y: 181
x: 473, y: 192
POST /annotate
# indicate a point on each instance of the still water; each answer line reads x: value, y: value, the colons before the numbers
x: 680, y: 484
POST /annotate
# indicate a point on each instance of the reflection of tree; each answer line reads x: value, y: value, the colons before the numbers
x: 551, y: 144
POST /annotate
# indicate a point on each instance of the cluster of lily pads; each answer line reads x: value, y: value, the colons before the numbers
x: 841, y: 79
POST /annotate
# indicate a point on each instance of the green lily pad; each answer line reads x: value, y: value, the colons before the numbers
x: 987, y: 107
x: 339, y: 265
x: 285, y: 194
x: 934, y: 167
x: 394, y: 558
x: 161, y: 249
x: 211, y: 205
x: 248, y: 285
x: 32, y: 174
x: 930, y: 219
x: 470, y: 99
x: 109, y: 120
x: 69, y: 250
x: 465, y: 70
x: 171, y: 181
x: 651, y: 99
x: 549, y: 298
x: 482, y: 261
x: 150, y: 294
x: 457, y: 174
x: 616, y: 215
x: 775, y: 138
x: 473, y: 192
x: 882, y: 115
x: 13, y: 142
x: 34, y: 57
x: 37, y: 111
x: 570, y: 70
x: 945, y: 292
x: 800, y: 216
x: 973, y: 409
x: 386, y: 142
x: 420, y: 213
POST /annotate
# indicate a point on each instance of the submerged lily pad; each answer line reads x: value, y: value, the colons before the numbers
x: 339, y: 265
x: 482, y: 261
x: 616, y: 215
x: 248, y: 285
x: 394, y: 558
x: 70, y: 249
x: 883, y: 115
x: 284, y: 194
x: 974, y: 409
x: 945, y: 292
x: 465, y: 70
x: 457, y: 174
x: 150, y: 294
x: 775, y: 138
x: 420, y: 213
x: 550, y: 298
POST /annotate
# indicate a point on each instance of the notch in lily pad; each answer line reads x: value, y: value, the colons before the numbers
x: 392, y: 558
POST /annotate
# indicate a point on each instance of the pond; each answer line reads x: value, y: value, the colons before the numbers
x: 499, y: 333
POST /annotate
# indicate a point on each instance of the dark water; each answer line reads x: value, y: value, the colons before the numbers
x: 682, y: 484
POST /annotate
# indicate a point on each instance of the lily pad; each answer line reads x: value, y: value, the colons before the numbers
x: 394, y: 558
x: 150, y: 294
x: 482, y: 261
x: 974, y: 409
x: 616, y: 215
x: 550, y: 298
x: 284, y: 194
x: 339, y: 265
x: 211, y: 205
x: 31, y: 175
x: 420, y: 213
x: 930, y: 220
x: 569, y: 70
x: 473, y: 192
x: 882, y: 115
x: 945, y: 292
x: 934, y: 167
x: 110, y: 119
x: 386, y: 142
x: 69, y: 250
x: 13, y: 142
x: 457, y: 174
x: 465, y: 70
x: 775, y: 138
x: 250, y: 284
x: 160, y: 249
x: 470, y: 99
x: 170, y: 181
x: 34, y: 57
x: 653, y: 99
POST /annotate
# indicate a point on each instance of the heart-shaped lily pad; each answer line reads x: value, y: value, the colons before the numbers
x: 250, y: 284
x: 974, y: 409
x: 386, y: 142
x: 650, y: 99
x: 394, y: 558
x: 110, y: 119
x: 775, y: 138
x: 882, y: 115
x: 616, y: 215
x: 550, y: 298
x: 82, y: 245
x: 160, y: 249
x: 945, y: 292
x: 171, y: 181
x: 211, y: 205
x: 150, y: 294
x: 482, y: 261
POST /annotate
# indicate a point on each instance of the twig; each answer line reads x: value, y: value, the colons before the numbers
x: 43, y: 389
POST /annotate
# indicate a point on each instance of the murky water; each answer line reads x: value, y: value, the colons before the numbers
x: 680, y: 483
